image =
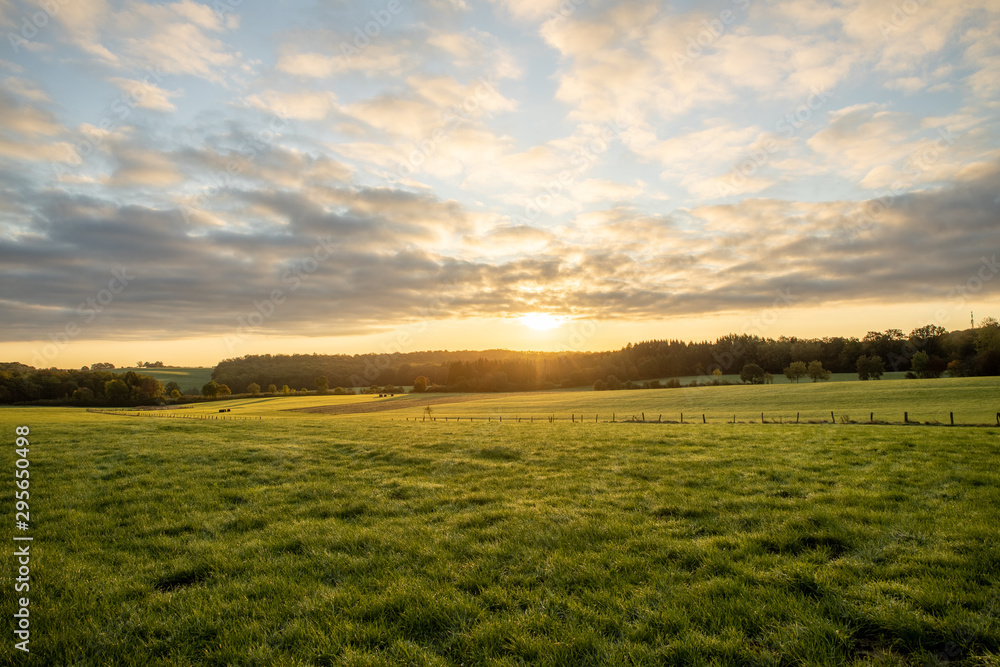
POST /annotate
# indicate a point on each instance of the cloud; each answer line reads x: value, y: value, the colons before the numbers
x: 616, y: 160
x: 139, y: 167
x: 882, y: 148
x: 383, y: 248
x: 300, y: 105
x: 83, y: 22
x: 26, y: 89
x: 381, y: 58
x: 28, y: 131
x: 529, y: 10
x: 147, y: 95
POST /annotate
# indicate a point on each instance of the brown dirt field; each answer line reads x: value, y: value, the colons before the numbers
x: 384, y: 405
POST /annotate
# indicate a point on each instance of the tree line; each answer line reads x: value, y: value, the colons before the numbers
x: 928, y: 351
x: 25, y: 384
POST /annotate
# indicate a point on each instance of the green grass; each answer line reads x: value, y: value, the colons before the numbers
x: 734, y: 378
x: 309, y: 539
x: 972, y: 400
x: 186, y: 377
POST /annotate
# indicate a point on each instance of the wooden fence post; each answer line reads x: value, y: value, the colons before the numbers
x: 951, y: 415
x: 906, y: 417
x: 832, y: 418
x: 703, y: 418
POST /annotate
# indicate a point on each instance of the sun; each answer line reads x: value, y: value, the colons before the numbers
x: 541, y: 321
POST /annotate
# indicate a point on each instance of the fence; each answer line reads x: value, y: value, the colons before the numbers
x: 582, y: 418
x: 641, y: 419
x: 161, y: 414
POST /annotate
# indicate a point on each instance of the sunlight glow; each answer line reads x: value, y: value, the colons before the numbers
x: 541, y: 321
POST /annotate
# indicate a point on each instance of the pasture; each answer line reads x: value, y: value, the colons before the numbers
x: 349, y: 533
x: 187, y: 378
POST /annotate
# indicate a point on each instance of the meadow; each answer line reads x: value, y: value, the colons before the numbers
x: 187, y: 378
x: 351, y: 530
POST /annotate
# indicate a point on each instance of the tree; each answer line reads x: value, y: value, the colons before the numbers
x: 171, y: 387
x: 956, y: 369
x: 927, y: 332
x: 175, y: 394
x: 147, y: 389
x: 805, y: 349
x: 285, y: 390
x: 210, y: 390
x: 817, y: 372
x: 988, y: 336
x: 224, y: 390
x: 322, y: 384
x: 116, y: 392
x: 272, y: 389
x: 796, y: 371
x: 752, y: 373
x: 599, y: 385
x: 83, y: 396
x: 925, y: 366
x: 612, y: 383
x: 253, y: 388
x: 870, y: 368
x: 420, y: 384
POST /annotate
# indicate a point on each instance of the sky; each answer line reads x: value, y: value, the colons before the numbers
x: 192, y: 181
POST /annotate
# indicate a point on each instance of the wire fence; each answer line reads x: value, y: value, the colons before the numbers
x: 704, y: 418
x: 163, y: 414
x: 581, y: 418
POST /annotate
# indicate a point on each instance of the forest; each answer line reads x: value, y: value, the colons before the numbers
x: 24, y: 384
x: 928, y: 351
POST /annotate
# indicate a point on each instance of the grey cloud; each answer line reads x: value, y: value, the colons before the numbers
x: 384, y: 266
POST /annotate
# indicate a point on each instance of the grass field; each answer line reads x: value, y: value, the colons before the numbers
x: 187, y: 378
x: 734, y: 378
x: 972, y: 400
x: 358, y: 538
